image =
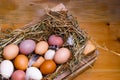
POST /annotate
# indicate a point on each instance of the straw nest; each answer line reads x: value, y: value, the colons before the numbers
x: 61, y: 23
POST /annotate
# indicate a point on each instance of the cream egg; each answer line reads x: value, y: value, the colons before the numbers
x: 41, y: 47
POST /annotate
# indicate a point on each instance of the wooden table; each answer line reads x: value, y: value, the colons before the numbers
x: 100, y: 19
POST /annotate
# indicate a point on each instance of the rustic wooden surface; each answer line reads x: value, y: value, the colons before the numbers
x: 99, y: 18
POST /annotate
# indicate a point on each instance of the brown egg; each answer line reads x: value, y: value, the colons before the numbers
x: 39, y: 61
x: 62, y: 55
x: 21, y: 62
x: 48, y: 67
x: 41, y: 47
x: 10, y: 51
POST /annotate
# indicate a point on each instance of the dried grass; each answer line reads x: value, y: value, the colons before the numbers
x: 61, y: 23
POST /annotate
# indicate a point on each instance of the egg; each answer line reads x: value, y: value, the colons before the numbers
x: 49, y: 55
x: 47, y: 67
x: 18, y: 75
x: 21, y: 62
x: 62, y: 55
x: 55, y: 40
x: 27, y: 46
x: 33, y: 73
x: 10, y: 51
x: 38, y: 62
x: 6, y: 68
x: 41, y: 47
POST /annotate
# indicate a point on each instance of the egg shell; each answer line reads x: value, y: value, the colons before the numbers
x: 49, y: 55
x: 33, y: 73
x: 21, y: 62
x: 62, y: 55
x: 27, y: 46
x: 59, y: 7
x: 55, y: 40
x: 90, y: 47
x: 10, y: 51
x: 41, y: 47
x: 48, y: 67
x: 6, y: 68
x: 18, y: 75
x: 38, y: 62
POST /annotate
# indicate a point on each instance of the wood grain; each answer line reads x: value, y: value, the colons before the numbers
x: 99, y: 18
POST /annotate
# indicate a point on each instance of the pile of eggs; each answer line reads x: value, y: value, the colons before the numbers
x: 50, y: 54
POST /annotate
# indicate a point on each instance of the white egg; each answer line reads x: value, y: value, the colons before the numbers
x: 49, y: 55
x: 33, y: 73
x: 6, y: 69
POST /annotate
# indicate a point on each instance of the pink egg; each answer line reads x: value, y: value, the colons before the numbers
x: 62, y: 55
x: 27, y: 46
x: 55, y: 40
x: 18, y: 75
